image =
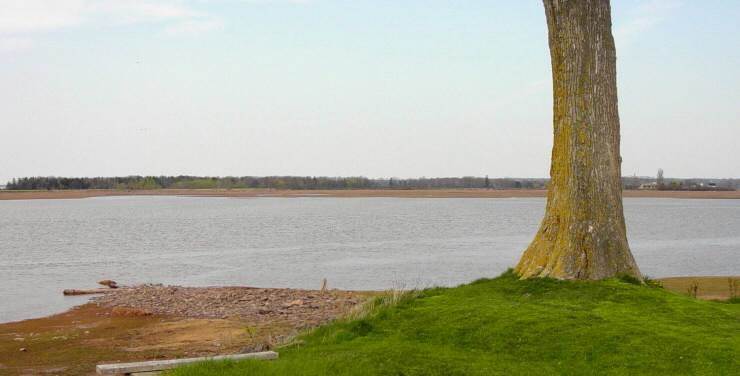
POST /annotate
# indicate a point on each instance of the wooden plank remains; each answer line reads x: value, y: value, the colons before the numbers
x: 88, y: 292
x: 161, y: 365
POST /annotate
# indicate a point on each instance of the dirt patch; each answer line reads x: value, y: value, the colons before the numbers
x: 707, y: 288
x: 128, y: 312
x: 70, y: 343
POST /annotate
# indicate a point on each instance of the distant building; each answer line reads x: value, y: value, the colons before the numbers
x: 2, y: 186
x: 649, y: 186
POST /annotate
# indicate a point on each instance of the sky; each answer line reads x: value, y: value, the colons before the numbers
x: 346, y: 88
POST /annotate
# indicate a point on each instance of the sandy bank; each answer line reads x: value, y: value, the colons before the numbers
x: 412, y: 193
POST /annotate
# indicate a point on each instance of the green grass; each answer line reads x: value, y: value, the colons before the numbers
x: 505, y: 326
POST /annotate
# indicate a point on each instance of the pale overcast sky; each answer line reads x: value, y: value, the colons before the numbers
x: 376, y: 88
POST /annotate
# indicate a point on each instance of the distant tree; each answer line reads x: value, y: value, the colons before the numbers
x: 487, y: 183
x: 660, y: 181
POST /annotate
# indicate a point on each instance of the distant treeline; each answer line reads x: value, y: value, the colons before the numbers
x: 269, y: 182
x: 323, y: 182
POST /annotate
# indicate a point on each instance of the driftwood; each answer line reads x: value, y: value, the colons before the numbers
x: 112, y: 285
x: 161, y: 365
x: 87, y: 292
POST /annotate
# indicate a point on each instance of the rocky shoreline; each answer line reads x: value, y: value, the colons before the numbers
x: 299, y: 308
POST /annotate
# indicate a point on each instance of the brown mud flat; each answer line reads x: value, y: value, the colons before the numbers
x: 401, y: 193
x: 157, y: 322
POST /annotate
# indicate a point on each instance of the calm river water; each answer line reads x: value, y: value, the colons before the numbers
x: 356, y: 243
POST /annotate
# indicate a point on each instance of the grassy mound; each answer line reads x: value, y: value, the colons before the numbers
x: 507, y: 326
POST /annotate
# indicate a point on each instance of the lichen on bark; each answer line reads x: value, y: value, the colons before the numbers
x: 583, y: 234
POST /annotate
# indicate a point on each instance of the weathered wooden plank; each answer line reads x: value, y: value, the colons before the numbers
x: 88, y: 292
x: 160, y: 365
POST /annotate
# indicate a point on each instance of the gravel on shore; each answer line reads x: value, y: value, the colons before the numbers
x: 300, y: 308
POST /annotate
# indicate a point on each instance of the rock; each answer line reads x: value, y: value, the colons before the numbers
x: 22, y: 349
x: 19, y: 339
x: 297, y: 302
x: 109, y: 283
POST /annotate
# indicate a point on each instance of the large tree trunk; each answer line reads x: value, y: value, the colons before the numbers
x: 583, y: 234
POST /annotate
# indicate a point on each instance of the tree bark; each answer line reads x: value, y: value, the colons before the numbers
x: 583, y: 234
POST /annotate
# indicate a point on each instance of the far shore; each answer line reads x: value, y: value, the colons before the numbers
x: 401, y: 193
